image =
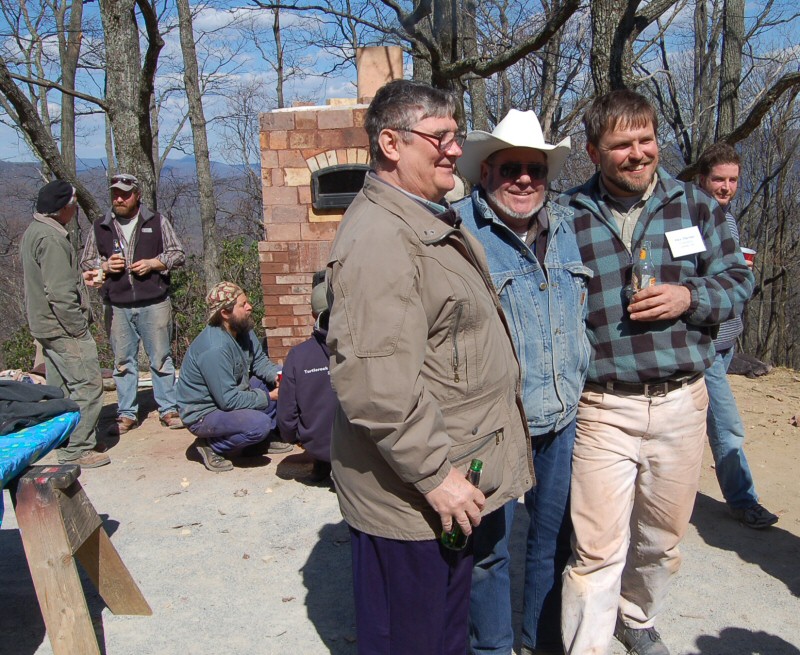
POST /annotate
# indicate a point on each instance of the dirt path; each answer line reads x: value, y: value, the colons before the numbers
x: 255, y: 561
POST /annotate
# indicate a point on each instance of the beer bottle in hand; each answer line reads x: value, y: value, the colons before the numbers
x: 455, y: 539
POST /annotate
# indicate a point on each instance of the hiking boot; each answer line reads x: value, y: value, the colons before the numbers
x: 123, y: 425
x: 172, y: 421
x: 279, y: 447
x: 640, y: 642
x: 213, y: 461
x: 91, y: 459
x: 756, y: 516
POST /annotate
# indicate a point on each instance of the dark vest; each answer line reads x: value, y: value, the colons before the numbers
x: 125, y: 288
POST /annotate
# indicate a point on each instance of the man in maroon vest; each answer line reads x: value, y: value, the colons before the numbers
x: 136, y: 249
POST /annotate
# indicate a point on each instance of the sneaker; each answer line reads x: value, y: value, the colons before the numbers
x: 172, y: 421
x: 756, y: 516
x: 91, y: 459
x: 212, y: 460
x: 279, y: 447
x: 123, y: 425
x: 640, y: 642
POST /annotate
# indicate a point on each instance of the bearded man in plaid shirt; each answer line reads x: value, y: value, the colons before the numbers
x: 642, y: 416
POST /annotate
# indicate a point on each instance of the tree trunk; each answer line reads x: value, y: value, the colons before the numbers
x: 476, y: 85
x: 208, y: 205
x: 128, y: 88
x: 276, y: 33
x: 69, y: 47
x: 730, y: 66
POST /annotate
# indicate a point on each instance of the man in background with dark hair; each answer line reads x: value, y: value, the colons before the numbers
x: 718, y: 169
x: 58, y: 317
x: 642, y: 416
x: 424, y: 369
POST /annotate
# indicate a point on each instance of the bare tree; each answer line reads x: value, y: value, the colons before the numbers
x: 130, y: 81
x: 208, y: 206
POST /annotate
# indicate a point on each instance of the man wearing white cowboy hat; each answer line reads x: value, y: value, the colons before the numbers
x: 537, y: 271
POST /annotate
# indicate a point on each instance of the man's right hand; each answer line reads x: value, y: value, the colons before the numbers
x: 457, y: 500
x: 115, y: 263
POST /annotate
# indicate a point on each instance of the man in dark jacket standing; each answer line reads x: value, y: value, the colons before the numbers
x: 136, y: 249
x: 58, y: 313
x: 307, y: 403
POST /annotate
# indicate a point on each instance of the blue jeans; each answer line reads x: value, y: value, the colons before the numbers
x: 229, y: 432
x: 152, y: 325
x: 547, y: 552
x: 726, y: 436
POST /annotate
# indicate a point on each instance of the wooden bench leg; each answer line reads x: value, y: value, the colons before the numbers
x: 58, y: 523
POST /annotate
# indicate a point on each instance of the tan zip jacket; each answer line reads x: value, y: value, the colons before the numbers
x: 423, y: 365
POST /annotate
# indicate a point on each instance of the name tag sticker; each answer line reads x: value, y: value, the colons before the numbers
x: 150, y: 229
x: 687, y: 241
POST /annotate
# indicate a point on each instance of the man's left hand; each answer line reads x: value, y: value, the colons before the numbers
x: 660, y: 303
x: 145, y: 266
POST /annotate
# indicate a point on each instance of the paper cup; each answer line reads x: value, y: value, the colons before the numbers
x: 749, y: 255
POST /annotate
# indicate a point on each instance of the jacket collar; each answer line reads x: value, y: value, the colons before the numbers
x: 52, y: 222
x: 428, y: 227
x: 588, y: 196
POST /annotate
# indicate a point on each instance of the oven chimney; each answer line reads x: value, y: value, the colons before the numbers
x: 377, y: 65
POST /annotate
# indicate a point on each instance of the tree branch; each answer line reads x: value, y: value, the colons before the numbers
x: 47, y: 84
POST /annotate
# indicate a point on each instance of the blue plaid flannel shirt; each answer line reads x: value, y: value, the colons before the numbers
x: 718, y: 279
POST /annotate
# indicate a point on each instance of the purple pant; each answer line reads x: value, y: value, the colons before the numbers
x: 411, y: 597
x: 229, y: 432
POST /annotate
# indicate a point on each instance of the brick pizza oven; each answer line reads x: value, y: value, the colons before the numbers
x: 313, y: 160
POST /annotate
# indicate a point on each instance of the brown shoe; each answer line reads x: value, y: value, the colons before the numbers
x: 172, y: 421
x: 91, y: 459
x: 122, y: 426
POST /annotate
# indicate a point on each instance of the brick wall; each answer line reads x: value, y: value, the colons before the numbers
x: 294, y: 143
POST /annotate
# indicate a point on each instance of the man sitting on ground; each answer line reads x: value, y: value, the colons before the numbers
x: 227, y: 386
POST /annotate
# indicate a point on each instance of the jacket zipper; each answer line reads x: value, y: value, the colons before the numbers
x: 496, y: 435
x: 456, y: 325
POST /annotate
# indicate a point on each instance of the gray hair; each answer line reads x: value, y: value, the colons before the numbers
x: 401, y: 104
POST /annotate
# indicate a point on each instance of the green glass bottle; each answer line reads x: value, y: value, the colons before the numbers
x: 455, y: 539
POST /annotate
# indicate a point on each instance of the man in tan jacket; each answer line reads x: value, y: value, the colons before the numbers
x: 424, y: 369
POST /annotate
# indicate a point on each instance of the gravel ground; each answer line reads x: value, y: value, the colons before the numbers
x: 256, y: 560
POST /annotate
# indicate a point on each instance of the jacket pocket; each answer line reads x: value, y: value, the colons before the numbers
x: 483, y: 439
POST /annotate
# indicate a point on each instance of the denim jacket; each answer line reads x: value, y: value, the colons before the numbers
x: 545, y: 309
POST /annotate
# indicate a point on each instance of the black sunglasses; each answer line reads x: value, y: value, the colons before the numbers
x: 513, y: 169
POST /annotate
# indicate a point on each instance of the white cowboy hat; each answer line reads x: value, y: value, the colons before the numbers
x: 519, y: 129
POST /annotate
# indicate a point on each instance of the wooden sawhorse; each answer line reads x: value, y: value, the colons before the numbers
x: 58, y: 524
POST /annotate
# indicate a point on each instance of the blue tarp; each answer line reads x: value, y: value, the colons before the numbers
x: 19, y: 450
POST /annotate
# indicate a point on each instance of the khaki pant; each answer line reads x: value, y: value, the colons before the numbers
x: 72, y: 366
x: 636, y: 468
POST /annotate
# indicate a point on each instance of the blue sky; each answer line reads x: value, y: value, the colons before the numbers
x: 233, y: 59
